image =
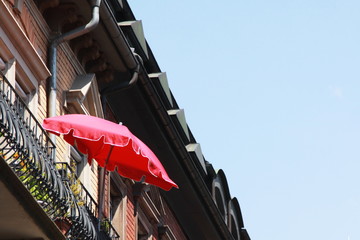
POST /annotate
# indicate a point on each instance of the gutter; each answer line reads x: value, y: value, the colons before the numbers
x: 118, y: 36
x: 128, y: 57
x: 117, y: 87
x: 132, y: 60
x: 52, y: 58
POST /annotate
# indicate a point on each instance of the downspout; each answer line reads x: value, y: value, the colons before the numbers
x: 117, y: 87
x: 107, y: 91
x: 132, y: 61
x: 53, y: 55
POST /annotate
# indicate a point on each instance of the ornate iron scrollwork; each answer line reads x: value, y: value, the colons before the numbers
x: 28, y: 150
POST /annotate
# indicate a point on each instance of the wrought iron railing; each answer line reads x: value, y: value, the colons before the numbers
x: 109, y: 230
x: 68, y: 175
x: 28, y: 150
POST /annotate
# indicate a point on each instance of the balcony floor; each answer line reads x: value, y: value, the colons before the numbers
x: 21, y: 217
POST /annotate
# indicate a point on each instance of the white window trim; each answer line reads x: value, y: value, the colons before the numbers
x: 141, y: 217
x: 120, y: 186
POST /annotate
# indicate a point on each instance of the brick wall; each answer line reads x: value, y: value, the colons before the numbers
x: 131, y: 220
x: 152, y: 211
x: 171, y: 221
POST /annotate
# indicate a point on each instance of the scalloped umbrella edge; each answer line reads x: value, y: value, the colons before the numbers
x: 112, y: 145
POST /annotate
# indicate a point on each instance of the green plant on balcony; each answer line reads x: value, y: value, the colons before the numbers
x: 75, y: 184
x: 105, y: 225
x: 34, y: 183
x: 27, y: 176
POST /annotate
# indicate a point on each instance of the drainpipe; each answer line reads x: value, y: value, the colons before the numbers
x: 132, y: 61
x: 117, y: 87
x: 53, y: 54
x: 52, y: 57
x: 105, y: 92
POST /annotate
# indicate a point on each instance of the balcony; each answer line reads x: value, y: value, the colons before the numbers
x: 84, y: 198
x: 29, y: 152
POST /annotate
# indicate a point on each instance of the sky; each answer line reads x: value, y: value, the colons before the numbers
x: 271, y: 91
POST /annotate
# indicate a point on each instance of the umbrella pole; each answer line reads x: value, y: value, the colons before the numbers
x: 102, y: 188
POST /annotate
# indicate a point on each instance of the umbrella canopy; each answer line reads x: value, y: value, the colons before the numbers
x: 112, y: 145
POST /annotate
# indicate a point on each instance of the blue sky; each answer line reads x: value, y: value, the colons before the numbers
x: 271, y: 91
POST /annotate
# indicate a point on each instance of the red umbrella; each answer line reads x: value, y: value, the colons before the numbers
x: 112, y: 145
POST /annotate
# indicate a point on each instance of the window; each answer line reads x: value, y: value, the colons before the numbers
x: 83, y: 97
x: 165, y: 233
x: 78, y: 160
x: 118, y: 204
x: 143, y: 227
x: 235, y: 222
x: 19, y: 81
x: 234, y: 228
x: 219, y: 198
x: 220, y: 202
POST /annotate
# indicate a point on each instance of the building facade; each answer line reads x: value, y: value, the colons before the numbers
x: 90, y: 57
